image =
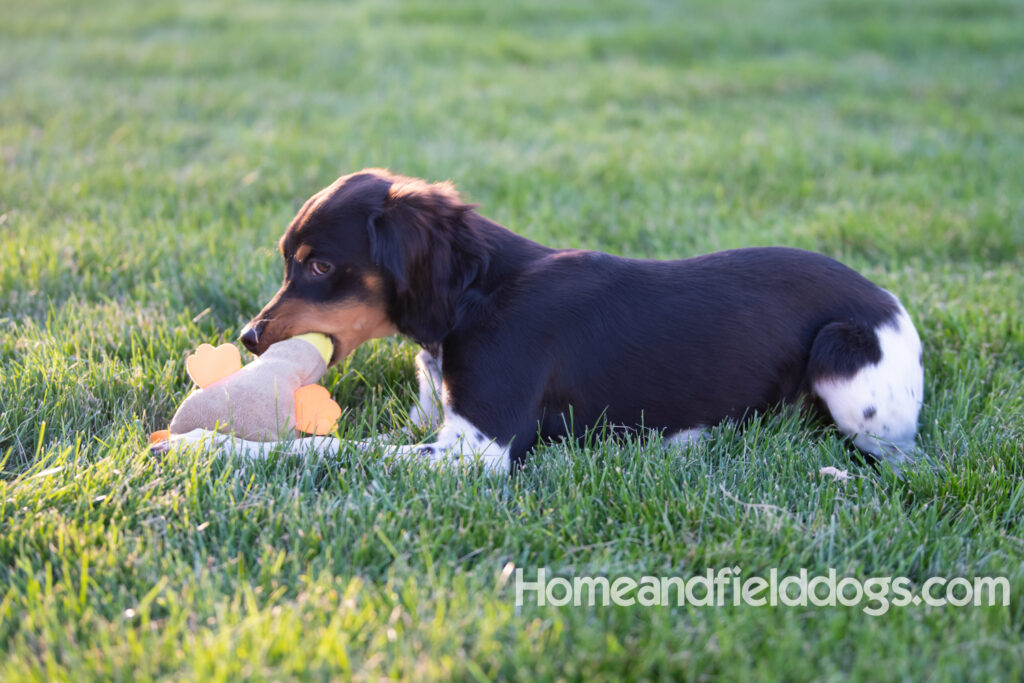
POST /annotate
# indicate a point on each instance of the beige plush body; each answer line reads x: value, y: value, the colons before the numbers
x: 258, y: 401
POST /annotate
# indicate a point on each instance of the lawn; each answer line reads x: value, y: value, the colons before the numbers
x: 152, y: 154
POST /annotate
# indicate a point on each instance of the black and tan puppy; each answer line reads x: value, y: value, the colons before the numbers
x: 537, y: 341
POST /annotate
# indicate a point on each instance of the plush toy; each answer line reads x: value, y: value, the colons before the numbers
x: 268, y: 399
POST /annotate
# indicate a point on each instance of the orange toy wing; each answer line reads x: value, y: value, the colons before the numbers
x: 315, y: 410
x: 209, y: 364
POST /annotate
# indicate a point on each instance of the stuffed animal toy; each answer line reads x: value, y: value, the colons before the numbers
x: 267, y: 400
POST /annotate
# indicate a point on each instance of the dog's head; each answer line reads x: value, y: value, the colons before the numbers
x: 370, y: 255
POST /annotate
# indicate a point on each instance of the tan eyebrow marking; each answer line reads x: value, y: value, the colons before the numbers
x: 302, y: 252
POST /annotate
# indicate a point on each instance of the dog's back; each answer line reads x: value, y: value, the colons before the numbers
x: 679, y: 345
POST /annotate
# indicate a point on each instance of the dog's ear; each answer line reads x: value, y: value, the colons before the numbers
x: 420, y: 239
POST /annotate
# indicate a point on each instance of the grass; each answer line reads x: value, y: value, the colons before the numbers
x: 153, y: 152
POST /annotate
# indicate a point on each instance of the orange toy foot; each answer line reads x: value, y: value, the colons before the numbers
x: 159, y: 436
x: 315, y: 410
x: 209, y: 364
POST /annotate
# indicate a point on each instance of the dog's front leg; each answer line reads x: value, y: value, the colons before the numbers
x: 458, y: 443
x: 319, y: 447
x: 426, y: 412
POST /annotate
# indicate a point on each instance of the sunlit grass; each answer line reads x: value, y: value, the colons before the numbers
x: 151, y: 156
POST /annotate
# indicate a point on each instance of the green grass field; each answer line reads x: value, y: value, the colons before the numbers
x: 152, y: 153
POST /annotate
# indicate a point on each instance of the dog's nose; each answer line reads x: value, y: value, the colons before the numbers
x: 251, y: 335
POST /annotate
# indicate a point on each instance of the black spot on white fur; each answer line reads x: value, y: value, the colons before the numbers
x: 882, y: 423
x: 840, y: 349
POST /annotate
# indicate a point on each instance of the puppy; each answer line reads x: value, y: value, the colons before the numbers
x: 521, y: 341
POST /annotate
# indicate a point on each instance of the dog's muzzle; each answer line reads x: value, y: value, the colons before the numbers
x: 251, y: 334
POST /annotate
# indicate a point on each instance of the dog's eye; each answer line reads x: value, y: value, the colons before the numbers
x: 319, y: 268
